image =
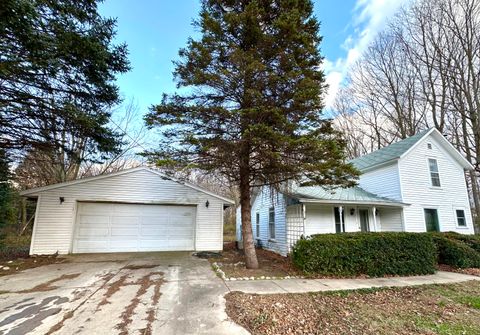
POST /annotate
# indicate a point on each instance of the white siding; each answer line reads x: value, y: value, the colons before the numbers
x: 383, y: 181
x: 417, y: 189
x: 319, y: 219
x: 54, y: 223
x: 390, y: 219
x: 262, y: 203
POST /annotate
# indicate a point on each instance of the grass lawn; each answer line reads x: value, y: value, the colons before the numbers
x: 431, y: 309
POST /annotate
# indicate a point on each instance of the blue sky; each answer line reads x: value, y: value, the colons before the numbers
x: 155, y: 30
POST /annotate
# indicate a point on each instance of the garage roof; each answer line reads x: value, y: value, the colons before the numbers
x: 33, y: 191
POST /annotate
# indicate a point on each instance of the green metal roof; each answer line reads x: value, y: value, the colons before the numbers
x: 340, y: 195
x: 393, y: 151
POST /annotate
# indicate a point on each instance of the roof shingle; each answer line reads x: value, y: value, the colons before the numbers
x: 390, y: 152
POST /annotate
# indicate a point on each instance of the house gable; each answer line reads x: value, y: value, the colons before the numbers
x: 418, y: 190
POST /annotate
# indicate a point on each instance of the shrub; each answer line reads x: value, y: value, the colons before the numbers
x: 373, y: 254
x: 455, y: 252
x: 13, y: 246
x: 473, y: 241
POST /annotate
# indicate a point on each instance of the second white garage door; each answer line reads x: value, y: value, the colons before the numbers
x: 114, y: 227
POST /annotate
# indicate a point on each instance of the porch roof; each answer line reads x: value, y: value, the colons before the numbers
x: 352, y: 195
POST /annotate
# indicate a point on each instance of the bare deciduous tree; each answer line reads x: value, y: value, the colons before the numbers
x: 422, y: 71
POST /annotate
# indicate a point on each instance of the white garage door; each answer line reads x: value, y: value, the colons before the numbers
x: 113, y: 227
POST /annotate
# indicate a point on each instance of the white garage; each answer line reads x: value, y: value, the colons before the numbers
x: 129, y: 211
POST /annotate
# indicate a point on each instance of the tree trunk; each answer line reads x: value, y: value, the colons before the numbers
x: 476, y: 198
x: 247, y: 234
x: 23, y: 204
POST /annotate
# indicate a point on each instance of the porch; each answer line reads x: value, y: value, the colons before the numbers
x: 312, y: 218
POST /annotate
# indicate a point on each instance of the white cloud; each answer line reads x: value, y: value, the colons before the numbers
x: 368, y: 19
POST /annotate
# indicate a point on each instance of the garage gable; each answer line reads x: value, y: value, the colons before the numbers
x: 118, y: 177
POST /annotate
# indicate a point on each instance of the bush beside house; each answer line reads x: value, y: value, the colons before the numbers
x: 373, y: 254
x: 460, y: 251
x: 380, y: 254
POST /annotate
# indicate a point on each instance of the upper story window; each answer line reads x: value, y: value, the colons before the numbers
x: 271, y: 222
x: 429, y: 146
x: 257, y: 224
x: 461, y: 220
x: 434, y: 175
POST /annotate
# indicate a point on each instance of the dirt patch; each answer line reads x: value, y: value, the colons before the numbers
x: 232, y: 262
x: 145, y: 283
x: 445, y: 309
x: 468, y: 271
x: 12, y: 266
x: 47, y: 286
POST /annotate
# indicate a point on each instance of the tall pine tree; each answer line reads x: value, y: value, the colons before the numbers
x: 58, y: 62
x: 252, y: 107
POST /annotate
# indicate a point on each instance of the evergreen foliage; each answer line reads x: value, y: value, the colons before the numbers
x: 252, y: 100
x: 57, y: 69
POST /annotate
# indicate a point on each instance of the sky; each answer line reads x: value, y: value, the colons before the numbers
x: 155, y: 30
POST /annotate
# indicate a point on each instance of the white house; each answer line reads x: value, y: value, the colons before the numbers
x: 133, y: 210
x: 414, y: 185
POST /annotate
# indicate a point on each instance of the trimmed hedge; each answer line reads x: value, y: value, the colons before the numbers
x: 373, y: 254
x: 473, y: 241
x: 456, y: 250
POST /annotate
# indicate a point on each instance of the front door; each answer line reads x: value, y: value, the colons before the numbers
x: 364, y: 224
x: 431, y: 219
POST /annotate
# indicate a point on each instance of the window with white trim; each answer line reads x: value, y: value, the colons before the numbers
x: 271, y: 222
x: 434, y: 174
x: 461, y: 218
x: 257, y: 224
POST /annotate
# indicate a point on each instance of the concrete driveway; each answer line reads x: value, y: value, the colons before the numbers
x: 141, y: 293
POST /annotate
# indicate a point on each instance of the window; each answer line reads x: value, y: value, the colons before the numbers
x: 257, y: 224
x: 461, y: 220
x: 339, y: 220
x: 429, y: 146
x: 271, y: 222
x: 434, y: 175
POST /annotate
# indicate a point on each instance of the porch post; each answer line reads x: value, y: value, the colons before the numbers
x: 304, y: 217
x: 340, y: 211
x: 374, y: 211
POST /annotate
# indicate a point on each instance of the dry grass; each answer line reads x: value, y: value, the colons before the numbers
x: 432, y: 309
x: 229, y: 230
x: 468, y: 271
x: 20, y: 264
